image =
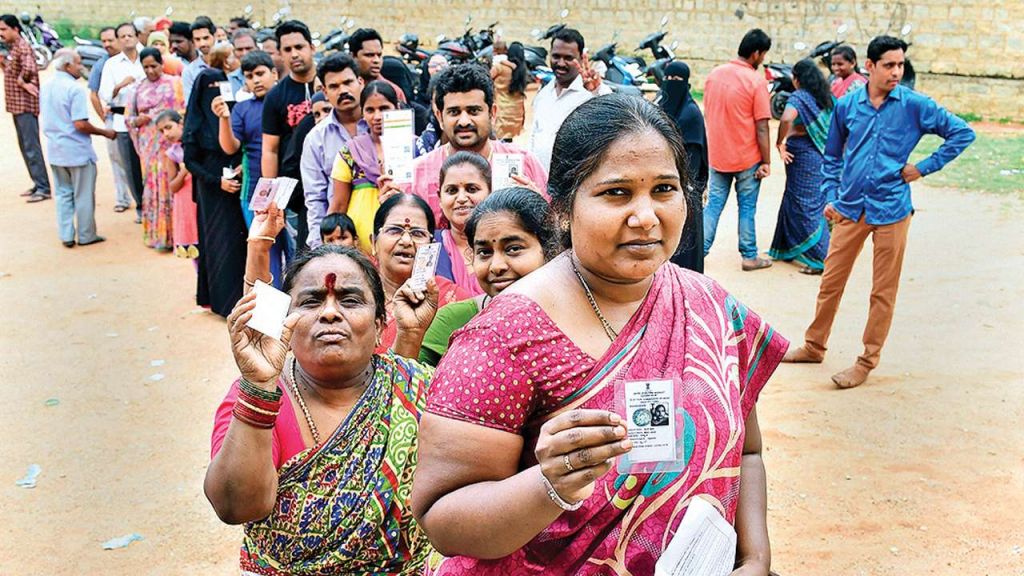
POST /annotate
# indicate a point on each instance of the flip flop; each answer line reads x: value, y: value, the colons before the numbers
x: 757, y: 264
x: 37, y: 198
x: 810, y: 271
x: 120, y: 209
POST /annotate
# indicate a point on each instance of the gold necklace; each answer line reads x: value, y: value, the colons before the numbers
x: 611, y: 333
x: 302, y: 406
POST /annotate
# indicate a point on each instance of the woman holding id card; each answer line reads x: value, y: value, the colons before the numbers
x: 575, y: 422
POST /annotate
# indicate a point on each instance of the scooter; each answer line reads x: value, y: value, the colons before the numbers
x: 623, y: 75
x: 662, y: 55
x: 91, y: 52
x: 337, y: 39
x: 780, y: 86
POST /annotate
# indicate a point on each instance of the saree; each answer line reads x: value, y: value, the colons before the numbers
x: 451, y: 264
x: 526, y: 371
x: 152, y: 98
x: 344, y: 507
x: 357, y: 165
x: 843, y: 86
x: 801, y: 231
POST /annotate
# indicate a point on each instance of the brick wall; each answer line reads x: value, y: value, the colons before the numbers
x: 970, y: 53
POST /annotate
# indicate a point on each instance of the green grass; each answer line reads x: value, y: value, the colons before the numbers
x: 988, y: 165
x: 68, y: 30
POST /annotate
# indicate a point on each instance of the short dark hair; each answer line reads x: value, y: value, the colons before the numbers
x: 402, y: 200
x: 465, y: 157
x: 117, y: 29
x: 178, y: 28
x: 356, y: 40
x: 240, y: 22
x: 379, y: 87
x: 530, y: 208
x: 846, y: 51
x: 292, y: 27
x: 12, y: 21
x: 353, y: 254
x: 263, y: 36
x: 169, y: 114
x: 463, y: 78
x: 242, y: 33
x: 882, y: 44
x: 336, y: 62
x: 104, y: 29
x: 202, y: 23
x: 755, y: 40
x: 255, y: 59
x: 588, y: 132
x: 153, y: 53
x: 570, y: 36
x: 336, y: 220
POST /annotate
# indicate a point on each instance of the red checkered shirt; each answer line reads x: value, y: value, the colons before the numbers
x: 20, y: 63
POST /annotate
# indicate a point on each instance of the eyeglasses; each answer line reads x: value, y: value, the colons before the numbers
x: 418, y: 235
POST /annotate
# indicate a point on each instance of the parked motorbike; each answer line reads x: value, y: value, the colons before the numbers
x: 43, y: 39
x: 336, y: 40
x: 780, y: 86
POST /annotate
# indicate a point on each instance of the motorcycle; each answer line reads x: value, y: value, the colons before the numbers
x: 469, y: 46
x: 43, y: 39
x: 336, y: 40
x: 780, y: 86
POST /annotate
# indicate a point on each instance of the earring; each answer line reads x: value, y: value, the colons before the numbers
x: 565, y: 226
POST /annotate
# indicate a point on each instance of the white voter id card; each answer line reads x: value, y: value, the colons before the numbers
x: 654, y: 425
x: 271, y: 310
x: 503, y: 168
x: 424, y: 266
x: 226, y: 92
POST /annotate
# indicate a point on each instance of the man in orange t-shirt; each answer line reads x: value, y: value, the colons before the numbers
x: 736, y: 113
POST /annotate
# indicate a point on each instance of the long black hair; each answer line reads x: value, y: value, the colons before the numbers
x: 590, y: 130
x: 532, y: 211
x: 813, y: 81
x: 520, y: 76
x: 353, y: 254
x: 379, y: 87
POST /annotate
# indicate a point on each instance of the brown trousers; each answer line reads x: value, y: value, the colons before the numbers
x: 890, y: 242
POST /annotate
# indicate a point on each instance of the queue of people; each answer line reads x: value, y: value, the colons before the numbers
x: 476, y: 425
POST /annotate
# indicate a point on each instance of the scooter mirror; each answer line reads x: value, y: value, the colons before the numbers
x: 499, y: 32
x: 800, y: 46
x: 674, y: 45
x: 535, y: 33
x: 350, y: 24
x: 131, y: 15
x: 439, y: 39
x: 469, y: 19
x: 286, y: 10
x: 842, y: 29
x: 248, y: 9
x: 316, y: 36
x: 906, y: 29
x: 564, y: 13
x: 256, y: 25
x: 316, y: 43
x: 169, y: 11
x: 664, y: 21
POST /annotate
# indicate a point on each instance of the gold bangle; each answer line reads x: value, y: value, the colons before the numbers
x: 267, y: 238
x: 252, y: 283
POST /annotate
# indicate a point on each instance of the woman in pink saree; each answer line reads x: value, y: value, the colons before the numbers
x: 845, y: 77
x: 154, y: 94
x: 517, y: 452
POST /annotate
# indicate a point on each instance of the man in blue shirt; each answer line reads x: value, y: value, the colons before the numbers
x: 64, y: 109
x: 866, y: 180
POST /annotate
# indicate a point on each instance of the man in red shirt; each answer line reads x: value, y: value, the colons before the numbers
x: 736, y: 113
x: 21, y: 92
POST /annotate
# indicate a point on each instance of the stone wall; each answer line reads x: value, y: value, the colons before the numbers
x: 969, y: 53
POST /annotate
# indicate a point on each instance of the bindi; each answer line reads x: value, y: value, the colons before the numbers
x: 329, y: 280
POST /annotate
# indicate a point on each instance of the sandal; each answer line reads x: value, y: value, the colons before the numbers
x: 120, y: 209
x: 811, y: 271
x: 756, y: 264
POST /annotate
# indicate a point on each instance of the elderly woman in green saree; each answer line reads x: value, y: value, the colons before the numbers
x: 314, y: 451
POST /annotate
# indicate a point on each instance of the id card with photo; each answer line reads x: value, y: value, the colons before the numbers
x: 397, y: 133
x: 283, y: 188
x: 503, y: 167
x: 651, y: 425
x: 262, y: 195
x: 424, y: 266
x: 226, y: 92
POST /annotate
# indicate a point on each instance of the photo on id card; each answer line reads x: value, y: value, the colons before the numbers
x: 649, y: 409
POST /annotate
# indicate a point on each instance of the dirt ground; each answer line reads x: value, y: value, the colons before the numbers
x: 919, y: 472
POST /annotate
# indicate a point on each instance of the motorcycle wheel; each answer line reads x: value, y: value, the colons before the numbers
x: 778, y: 104
x: 43, y: 56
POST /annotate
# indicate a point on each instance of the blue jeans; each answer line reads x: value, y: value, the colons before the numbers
x: 747, y: 189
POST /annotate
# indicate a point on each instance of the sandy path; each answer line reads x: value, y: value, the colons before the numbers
x: 920, y: 472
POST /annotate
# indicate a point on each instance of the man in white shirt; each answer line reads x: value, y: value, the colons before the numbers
x: 202, y: 38
x: 574, y: 84
x: 116, y: 90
